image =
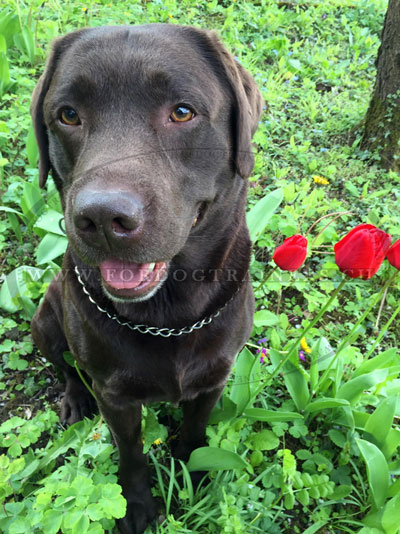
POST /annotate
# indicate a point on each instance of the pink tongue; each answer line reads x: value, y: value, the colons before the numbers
x: 122, y: 275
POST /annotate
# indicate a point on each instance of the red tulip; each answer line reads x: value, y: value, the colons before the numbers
x: 292, y: 253
x: 361, y: 252
x: 393, y: 254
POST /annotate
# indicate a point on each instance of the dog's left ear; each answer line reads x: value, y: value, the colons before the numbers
x: 39, y: 93
x: 247, y: 102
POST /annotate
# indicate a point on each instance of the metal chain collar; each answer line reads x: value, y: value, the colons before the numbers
x: 154, y: 330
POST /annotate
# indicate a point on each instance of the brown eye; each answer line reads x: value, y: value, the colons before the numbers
x: 182, y: 114
x: 70, y: 117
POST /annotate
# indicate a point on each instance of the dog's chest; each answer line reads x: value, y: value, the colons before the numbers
x: 132, y: 368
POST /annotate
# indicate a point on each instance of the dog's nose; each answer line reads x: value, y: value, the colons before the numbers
x: 114, y: 216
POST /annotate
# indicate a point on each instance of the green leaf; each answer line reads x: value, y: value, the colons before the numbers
x: 241, y: 391
x: 265, y: 440
x: 20, y: 525
x: 152, y: 429
x: 385, y: 359
x: 271, y: 416
x: 112, y: 502
x: 52, y: 521
x: 377, y: 471
x: 315, y: 527
x: 260, y: 214
x: 50, y: 222
x: 4, y: 74
x: 52, y: 246
x: 294, y: 378
x: 32, y: 202
x: 391, y: 443
x: 380, y: 422
x: 265, y: 318
x: 391, y: 516
x: 214, y: 459
x: 15, y: 286
x: 325, y: 403
x: 353, y: 389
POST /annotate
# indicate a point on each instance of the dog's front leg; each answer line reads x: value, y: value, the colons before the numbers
x: 196, y: 413
x: 125, y: 424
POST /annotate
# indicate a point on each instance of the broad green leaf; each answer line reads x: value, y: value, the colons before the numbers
x: 227, y: 412
x: 9, y: 25
x: 391, y: 516
x: 52, y: 521
x: 70, y: 438
x: 32, y: 202
x: 294, y: 378
x: 260, y: 214
x: 20, y: 525
x: 241, y: 391
x: 271, y: 416
x: 325, y: 403
x: 354, y: 388
x: 380, y: 422
x: 50, y: 221
x: 15, y: 286
x: 112, y: 501
x: 391, y: 443
x: 385, y: 359
x: 52, y: 246
x: 15, y: 226
x: 213, y: 458
x: 265, y: 318
x: 265, y: 440
x: 4, y: 74
x: 377, y: 471
x: 152, y: 429
x: 325, y: 353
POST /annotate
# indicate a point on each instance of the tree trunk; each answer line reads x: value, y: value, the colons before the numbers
x: 382, y: 121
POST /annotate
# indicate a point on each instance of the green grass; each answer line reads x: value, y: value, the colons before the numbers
x: 290, y: 460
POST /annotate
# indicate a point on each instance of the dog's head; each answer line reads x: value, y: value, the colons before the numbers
x: 147, y: 131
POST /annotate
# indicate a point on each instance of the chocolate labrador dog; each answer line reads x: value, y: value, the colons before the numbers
x: 147, y: 132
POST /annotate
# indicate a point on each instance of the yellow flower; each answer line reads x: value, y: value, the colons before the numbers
x: 96, y: 436
x: 320, y: 180
x: 158, y: 441
x: 304, y: 345
x: 170, y: 16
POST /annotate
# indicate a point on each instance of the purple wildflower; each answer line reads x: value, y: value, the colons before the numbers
x: 302, y: 356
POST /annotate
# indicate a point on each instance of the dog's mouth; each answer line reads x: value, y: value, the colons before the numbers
x: 132, y: 281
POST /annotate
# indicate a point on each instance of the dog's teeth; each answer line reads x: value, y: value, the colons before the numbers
x: 151, y: 266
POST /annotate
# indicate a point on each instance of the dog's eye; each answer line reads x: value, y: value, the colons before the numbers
x: 70, y: 117
x: 182, y: 114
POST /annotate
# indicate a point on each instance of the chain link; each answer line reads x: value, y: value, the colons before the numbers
x: 154, y: 330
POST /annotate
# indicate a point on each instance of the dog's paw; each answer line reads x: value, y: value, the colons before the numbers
x: 138, y: 516
x: 77, y: 403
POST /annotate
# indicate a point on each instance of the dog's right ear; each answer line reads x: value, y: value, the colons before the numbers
x: 58, y: 48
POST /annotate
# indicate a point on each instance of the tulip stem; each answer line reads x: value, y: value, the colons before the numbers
x: 382, y: 332
x: 338, y: 215
x: 378, y: 317
x: 266, y: 278
x: 294, y: 346
x: 324, y: 377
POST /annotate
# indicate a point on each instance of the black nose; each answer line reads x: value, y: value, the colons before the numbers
x: 107, y: 218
